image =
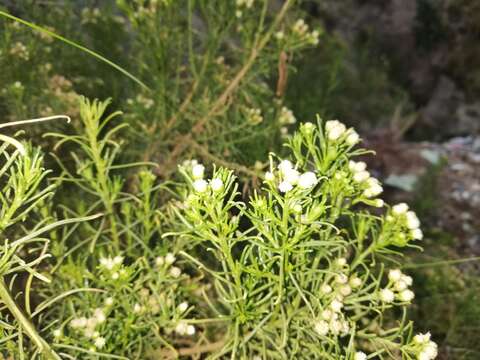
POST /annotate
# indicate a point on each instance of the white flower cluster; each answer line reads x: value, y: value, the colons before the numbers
x: 286, y: 116
x: 300, y: 28
x: 336, y: 131
x: 427, y: 349
x: 332, y: 320
x: 254, y: 116
x: 200, y: 185
x: 290, y: 177
x: 20, y: 50
x: 371, y: 186
x: 397, y: 287
x: 167, y: 261
x: 360, y: 355
x: 401, y: 212
x: 88, y: 326
x: 242, y: 4
x: 113, y: 266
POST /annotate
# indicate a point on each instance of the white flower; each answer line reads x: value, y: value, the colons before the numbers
x: 181, y: 328
x: 190, y: 330
x: 285, y: 186
x: 387, y: 295
x: 417, y: 234
x: 182, y: 307
x: 355, y: 282
x: 198, y: 171
x: 279, y: 35
x: 287, y: 117
x: 407, y: 280
x: 57, y: 333
x: 360, y: 355
x: 321, y: 327
x: 399, y: 209
x: 334, y: 129
x: 137, y: 308
x: 200, y: 185
x: 78, y: 323
x: 400, y: 285
x: 361, y: 176
x: 308, y: 127
x: 378, y: 203
x: 175, y: 271
x: 99, y: 316
x: 336, y: 305
x: 374, y: 188
x: 412, y: 220
x: 269, y: 176
x: 394, y: 275
x: 216, y: 184
x: 345, y: 290
x: 118, y: 260
x: 109, y: 301
x: 327, y: 314
x: 341, y: 278
x: 291, y: 176
x: 352, y: 137
x: 406, y: 295
x: 115, y: 276
x: 100, y: 342
x: 355, y: 166
x: 284, y: 166
x: 326, y: 289
x: 159, y: 261
x: 341, y: 262
x: 307, y: 180
x: 422, y: 338
x: 170, y: 258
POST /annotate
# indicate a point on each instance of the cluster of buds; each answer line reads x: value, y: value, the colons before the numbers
x: 289, y: 177
x: 113, y: 267
x: 370, y: 185
x: 337, y: 131
x: 20, y: 51
x: 183, y: 328
x: 141, y: 100
x: 167, y: 261
x: 423, y: 347
x: 300, y: 28
x: 200, y: 185
x: 241, y: 5
x: 286, y: 116
x: 254, y: 116
x: 332, y: 320
x: 88, y: 327
x: 397, y: 287
x: 408, y: 218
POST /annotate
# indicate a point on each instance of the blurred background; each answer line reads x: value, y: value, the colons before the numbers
x: 404, y: 73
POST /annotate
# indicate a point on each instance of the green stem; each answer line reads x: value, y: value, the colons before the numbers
x: 25, y: 323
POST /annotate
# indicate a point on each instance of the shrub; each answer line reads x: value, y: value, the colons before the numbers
x: 297, y: 271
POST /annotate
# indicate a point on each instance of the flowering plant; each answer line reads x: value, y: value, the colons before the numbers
x: 299, y: 270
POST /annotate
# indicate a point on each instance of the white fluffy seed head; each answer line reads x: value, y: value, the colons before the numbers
x: 361, y: 176
x: 284, y: 166
x: 170, y: 258
x: 291, y: 176
x: 387, y: 295
x: 175, y: 271
x: 182, y: 307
